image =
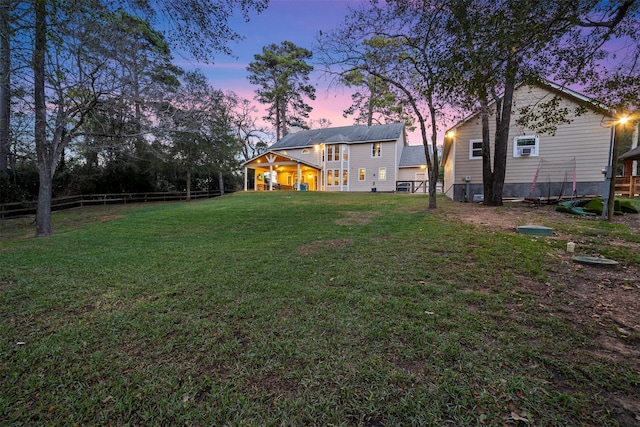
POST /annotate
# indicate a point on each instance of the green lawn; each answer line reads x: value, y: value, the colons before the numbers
x: 289, y: 308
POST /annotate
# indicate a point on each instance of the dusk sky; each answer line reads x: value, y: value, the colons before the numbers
x: 297, y: 21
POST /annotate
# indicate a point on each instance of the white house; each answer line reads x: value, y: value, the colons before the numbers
x: 347, y: 158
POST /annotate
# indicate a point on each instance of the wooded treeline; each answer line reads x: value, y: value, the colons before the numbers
x: 127, y: 119
x: 91, y: 102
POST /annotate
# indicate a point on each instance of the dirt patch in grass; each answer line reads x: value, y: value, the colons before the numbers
x: 357, y: 218
x: 105, y: 218
x: 512, y: 215
x: 603, y: 300
x: 324, y: 245
x: 6, y: 284
x: 603, y: 296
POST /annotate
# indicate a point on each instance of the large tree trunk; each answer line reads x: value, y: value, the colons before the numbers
x: 283, y: 119
x: 43, y: 212
x: 432, y: 161
x: 502, y: 141
x: 188, y: 183
x: 487, y: 170
x: 493, y: 180
x: 44, y: 226
x: 221, y: 182
x: 434, y: 166
x: 278, y: 118
x: 5, y: 85
x: 370, y: 103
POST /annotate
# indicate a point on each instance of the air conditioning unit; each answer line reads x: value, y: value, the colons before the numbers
x: 525, y: 151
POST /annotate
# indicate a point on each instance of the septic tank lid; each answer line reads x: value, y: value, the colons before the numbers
x: 537, y: 230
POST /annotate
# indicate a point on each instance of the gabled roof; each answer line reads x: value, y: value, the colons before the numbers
x: 345, y: 134
x: 631, y: 155
x: 551, y: 87
x: 413, y: 155
x: 577, y: 96
x: 279, y: 157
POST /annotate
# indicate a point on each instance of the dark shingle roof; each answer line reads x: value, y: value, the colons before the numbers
x: 631, y: 155
x: 344, y: 134
x: 413, y: 155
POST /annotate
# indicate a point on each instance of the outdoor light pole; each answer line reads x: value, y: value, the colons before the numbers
x: 608, y: 173
x: 609, y: 189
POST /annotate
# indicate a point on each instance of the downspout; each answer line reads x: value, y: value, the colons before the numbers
x: 246, y: 173
x: 395, y: 164
x: 322, y: 163
x: 348, y: 167
x: 341, y: 167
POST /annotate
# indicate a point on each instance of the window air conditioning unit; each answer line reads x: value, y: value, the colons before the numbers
x: 525, y: 151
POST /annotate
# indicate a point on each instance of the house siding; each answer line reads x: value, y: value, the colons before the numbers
x: 337, y: 166
x: 313, y: 155
x: 396, y: 161
x: 409, y: 174
x: 361, y: 158
x: 586, y: 139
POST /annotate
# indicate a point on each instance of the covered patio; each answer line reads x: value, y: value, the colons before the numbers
x: 629, y: 183
x: 278, y: 171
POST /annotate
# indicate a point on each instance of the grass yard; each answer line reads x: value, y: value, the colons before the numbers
x: 306, y: 308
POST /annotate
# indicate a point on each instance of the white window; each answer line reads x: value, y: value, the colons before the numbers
x: 362, y: 174
x: 376, y: 149
x: 345, y: 177
x: 475, y: 149
x: 333, y: 153
x: 382, y: 174
x: 526, y: 146
x: 330, y: 177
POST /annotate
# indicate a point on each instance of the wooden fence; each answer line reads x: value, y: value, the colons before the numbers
x: 628, y: 186
x: 9, y: 210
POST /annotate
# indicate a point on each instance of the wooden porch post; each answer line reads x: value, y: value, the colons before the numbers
x: 246, y: 174
x: 270, y: 177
